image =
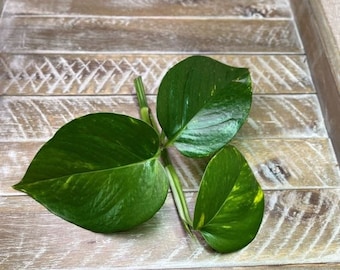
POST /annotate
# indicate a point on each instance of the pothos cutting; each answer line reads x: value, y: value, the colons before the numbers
x: 108, y: 172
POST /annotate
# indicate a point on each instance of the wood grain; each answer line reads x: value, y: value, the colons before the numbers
x: 37, y: 118
x: 63, y: 59
x: 299, y: 225
x: 134, y: 35
x: 276, y: 163
x: 103, y: 75
x: 235, y: 8
x: 324, y: 61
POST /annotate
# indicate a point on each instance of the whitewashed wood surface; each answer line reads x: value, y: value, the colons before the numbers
x: 62, y: 60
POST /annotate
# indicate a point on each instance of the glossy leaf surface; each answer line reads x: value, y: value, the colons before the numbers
x: 202, y: 103
x: 230, y: 202
x: 101, y: 172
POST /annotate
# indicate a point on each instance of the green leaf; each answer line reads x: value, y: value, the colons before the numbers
x: 202, y: 103
x: 230, y: 202
x: 101, y: 172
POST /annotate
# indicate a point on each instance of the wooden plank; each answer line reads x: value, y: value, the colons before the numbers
x: 276, y: 163
x: 235, y: 8
x: 15, y: 159
x: 108, y: 75
x: 271, y: 116
x: 298, y: 226
x: 284, y: 139
x: 37, y: 118
x: 284, y: 116
x: 324, y: 62
x: 329, y: 9
x: 135, y: 35
x: 291, y: 163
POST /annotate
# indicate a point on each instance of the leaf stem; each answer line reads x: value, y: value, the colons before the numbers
x: 177, y: 191
x: 174, y: 180
x: 145, y: 111
x: 142, y: 101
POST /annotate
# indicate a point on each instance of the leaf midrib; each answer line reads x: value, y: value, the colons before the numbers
x: 17, y: 186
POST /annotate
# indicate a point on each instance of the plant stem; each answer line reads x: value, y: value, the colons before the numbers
x: 145, y: 111
x: 175, y: 183
x: 177, y: 191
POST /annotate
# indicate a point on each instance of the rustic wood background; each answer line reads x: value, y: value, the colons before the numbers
x: 63, y: 59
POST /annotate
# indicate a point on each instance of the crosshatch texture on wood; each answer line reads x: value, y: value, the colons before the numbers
x: 235, y: 8
x: 303, y: 227
x: 271, y: 116
x: 61, y: 61
x: 109, y: 75
x: 276, y: 163
x: 131, y: 35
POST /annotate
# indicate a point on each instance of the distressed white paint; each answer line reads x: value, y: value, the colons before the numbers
x: 284, y: 140
x: 275, y: 116
x: 232, y: 8
x: 98, y: 74
x: 161, y: 242
x: 147, y: 35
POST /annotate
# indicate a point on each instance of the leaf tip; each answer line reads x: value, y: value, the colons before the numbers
x: 19, y: 187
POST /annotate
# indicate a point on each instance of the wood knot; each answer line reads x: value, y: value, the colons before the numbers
x: 254, y: 11
x: 304, y: 205
x: 274, y: 171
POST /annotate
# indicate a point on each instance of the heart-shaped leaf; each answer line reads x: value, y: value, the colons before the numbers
x: 230, y: 202
x: 101, y: 172
x: 202, y: 103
